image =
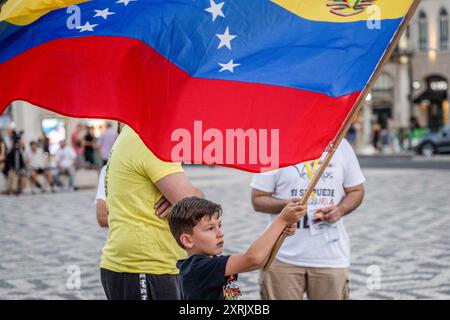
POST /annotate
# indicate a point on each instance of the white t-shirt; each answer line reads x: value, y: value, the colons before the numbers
x: 36, y: 160
x: 310, y: 247
x: 101, y: 195
x: 66, y: 157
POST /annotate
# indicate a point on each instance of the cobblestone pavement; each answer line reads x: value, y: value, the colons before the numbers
x: 401, y: 232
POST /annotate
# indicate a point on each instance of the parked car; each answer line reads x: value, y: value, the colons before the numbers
x: 434, y: 143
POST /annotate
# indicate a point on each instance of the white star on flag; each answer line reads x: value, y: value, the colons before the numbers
x: 228, y: 66
x: 125, y: 2
x: 87, y: 27
x: 225, y: 39
x: 215, y: 10
x: 103, y: 13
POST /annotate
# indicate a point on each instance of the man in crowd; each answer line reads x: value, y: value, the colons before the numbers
x: 76, y: 140
x: 106, y: 141
x: 3, y: 152
x: 65, y: 160
x: 15, y: 164
x: 37, y: 163
x: 89, y: 146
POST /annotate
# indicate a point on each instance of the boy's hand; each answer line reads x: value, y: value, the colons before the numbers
x: 290, y: 230
x: 292, y: 213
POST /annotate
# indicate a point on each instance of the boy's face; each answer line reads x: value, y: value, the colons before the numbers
x: 206, y: 237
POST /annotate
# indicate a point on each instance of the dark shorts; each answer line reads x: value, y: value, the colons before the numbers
x: 135, y: 286
x: 39, y: 170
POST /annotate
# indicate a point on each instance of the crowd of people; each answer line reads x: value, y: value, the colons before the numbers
x: 23, y: 163
x: 386, y: 136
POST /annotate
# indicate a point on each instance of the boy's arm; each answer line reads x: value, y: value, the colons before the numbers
x: 258, y: 253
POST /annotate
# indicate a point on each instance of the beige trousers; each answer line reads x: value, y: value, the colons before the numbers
x: 285, y: 281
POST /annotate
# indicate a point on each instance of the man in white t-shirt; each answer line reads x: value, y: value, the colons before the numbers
x: 100, y: 201
x: 65, y: 160
x: 315, y: 261
x: 38, y: 163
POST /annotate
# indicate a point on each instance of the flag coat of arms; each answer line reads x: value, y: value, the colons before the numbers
x: 291, y: 67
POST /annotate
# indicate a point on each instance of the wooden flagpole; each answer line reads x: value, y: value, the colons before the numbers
x: 348, y: 121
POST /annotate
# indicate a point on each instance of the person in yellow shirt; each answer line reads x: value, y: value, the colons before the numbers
x: 139, y: 259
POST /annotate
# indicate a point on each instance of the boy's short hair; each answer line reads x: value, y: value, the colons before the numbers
x: 185, y: 215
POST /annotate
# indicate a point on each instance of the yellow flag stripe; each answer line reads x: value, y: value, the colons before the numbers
x: 23, y: 12
x: 347, y: 11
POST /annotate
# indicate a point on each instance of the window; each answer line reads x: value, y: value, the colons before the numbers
x: 423, y: 31
x: 443, y: 30
x: 385, y: 83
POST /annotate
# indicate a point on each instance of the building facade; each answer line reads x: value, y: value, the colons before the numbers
x: 413, y: 86
x: 431, y: 63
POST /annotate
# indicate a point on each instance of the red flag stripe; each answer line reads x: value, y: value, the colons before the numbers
x: 138, y: 86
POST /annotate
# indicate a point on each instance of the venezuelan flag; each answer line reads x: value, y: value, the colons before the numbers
x: 297, y: 66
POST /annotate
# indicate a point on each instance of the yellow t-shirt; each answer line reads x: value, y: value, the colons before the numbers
x: 138, y: 241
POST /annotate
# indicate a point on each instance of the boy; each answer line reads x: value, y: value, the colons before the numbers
x: 205, y: 274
